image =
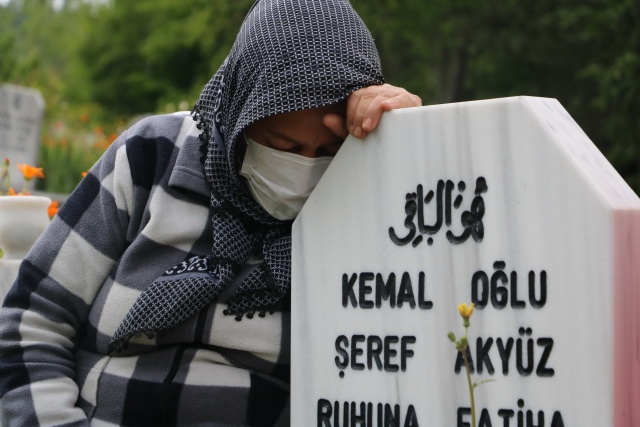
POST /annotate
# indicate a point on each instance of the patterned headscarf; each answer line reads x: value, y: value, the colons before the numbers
x: 289, y: 55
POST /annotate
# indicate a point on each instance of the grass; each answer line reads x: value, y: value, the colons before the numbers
x: 71, y: 144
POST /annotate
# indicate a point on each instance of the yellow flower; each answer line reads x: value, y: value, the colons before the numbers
x: 465, y: 311
x: 30, y: 172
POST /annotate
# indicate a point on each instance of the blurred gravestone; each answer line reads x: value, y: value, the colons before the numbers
x: 506, y: 203
x: 21, y: 111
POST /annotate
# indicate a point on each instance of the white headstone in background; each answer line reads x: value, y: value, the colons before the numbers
x: 21, y: 111
x: 506, y: 203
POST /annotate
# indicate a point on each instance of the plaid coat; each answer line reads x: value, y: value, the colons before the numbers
x: 142, y: 209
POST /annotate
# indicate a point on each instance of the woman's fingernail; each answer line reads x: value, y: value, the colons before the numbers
x: 367, y: 124
x: 358, y: 132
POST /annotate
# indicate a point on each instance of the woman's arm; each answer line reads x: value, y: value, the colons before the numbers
x: 49, y: 302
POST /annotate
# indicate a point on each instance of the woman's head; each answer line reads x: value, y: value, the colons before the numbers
x: 310, y: 133
x: 289, y: 55
x: 286, y: 154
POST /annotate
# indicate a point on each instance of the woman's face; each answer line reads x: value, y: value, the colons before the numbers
x: 312, y: 133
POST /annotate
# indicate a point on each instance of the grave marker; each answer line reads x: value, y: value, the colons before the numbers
x: 506, y: 203
x: 21, y: 111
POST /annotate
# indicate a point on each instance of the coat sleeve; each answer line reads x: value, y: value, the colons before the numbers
x: 51, y: 297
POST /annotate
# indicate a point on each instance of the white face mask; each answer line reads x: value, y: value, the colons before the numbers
x: 279, y: 181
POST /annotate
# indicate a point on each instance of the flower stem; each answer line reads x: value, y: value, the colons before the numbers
x: 6, y: 175
x: 24, y: 187
x: 471, y: 394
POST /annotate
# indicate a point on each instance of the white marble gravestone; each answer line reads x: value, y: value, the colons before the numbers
x: 21, y: 111
x: 503, y: 202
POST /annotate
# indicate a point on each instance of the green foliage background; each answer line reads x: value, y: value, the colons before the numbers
x: 98, y: 63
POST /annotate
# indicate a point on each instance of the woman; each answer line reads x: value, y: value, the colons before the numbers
x: 159, y: 294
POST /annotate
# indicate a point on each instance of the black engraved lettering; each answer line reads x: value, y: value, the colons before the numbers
x: 374, y: 350
x: 522, y: 369
x: 385, y: 291
x: 347, y: 290
x: 499, y: 292
x: 480, y: 293
x: 390, y: 353
x: 530, y: 419
x: 557, y: 420
x: 410, y: 208
x: 405, y: 351
x: 411, y: 419
x: 422, y: 302
x: 538, y: 302
x: 342, y: 343
x: 482, y: 355
x: 515, y: 302
x: 356, y: 351
x: 485, y: 419
x: 460, y: 361
x: 461, y: 419
x: 505, y: 353
x: 449, y: 186
x: 433, y: 229
x: 324, y: 413
x: 358, y: 418
x: 405, y: 293
x: 391, y: 418
x: 542, y: 370
x: 364, y: 290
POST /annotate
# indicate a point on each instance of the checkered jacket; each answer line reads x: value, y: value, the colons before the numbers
x: 142, y: 209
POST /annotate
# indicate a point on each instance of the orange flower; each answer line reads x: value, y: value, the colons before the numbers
x: 12, y: 192
x: 30, y: 172
x: 84, y: 174
x: 53, y: 208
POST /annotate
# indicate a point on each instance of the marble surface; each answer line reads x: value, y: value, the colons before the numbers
x: 452, y: 198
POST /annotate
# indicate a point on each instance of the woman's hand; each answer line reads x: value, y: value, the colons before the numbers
x: 365, y: 107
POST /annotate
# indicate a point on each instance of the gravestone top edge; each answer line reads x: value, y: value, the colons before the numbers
x: 586, y: 157
x: 24, y: 89
x: 574, y: 144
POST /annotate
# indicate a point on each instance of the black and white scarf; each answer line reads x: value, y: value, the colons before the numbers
x: 289, y: 55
